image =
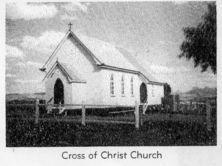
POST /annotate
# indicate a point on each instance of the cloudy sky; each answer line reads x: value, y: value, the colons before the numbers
x: 150, y: 31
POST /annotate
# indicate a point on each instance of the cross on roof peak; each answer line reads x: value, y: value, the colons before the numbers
x: 70, y: 26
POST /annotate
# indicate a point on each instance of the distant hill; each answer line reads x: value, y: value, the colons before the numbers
x: 203, y: 92
x: 25, y: 96
x: 197, y: 92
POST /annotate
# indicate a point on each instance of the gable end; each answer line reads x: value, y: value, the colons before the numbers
x: 71, y: 74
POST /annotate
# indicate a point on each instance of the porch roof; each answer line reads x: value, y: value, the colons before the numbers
x: 69, y: 72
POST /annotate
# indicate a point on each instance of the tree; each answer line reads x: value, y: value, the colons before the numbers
x: 200, y: 41
x: 167, y: 89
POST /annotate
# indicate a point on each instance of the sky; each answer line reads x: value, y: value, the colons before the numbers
x: 150, y: 31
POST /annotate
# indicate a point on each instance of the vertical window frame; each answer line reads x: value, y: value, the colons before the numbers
x: 122, y: 86
x: 112, y: 88
x: 153, y: 95
x: 132, y: 86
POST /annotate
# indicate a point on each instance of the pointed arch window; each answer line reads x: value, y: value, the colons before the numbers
x: 122, y: 86
x: 131, y: 86
x: 112, y: 85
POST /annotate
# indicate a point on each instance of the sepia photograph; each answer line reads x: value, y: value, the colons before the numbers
x: 127, y: 73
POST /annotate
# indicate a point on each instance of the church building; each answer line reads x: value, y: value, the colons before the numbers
x: 83, y: 69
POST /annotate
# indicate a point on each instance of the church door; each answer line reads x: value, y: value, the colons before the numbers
x: 143, y: 93
x: 58, y: 92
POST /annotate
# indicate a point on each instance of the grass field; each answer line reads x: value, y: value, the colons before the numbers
x: 46, y: 134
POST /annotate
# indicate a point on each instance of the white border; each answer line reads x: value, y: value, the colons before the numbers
x: 172, y: 155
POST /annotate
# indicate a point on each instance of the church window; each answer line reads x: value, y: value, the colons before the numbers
x: 131, y: 86
x: 111, y: 84
x: 122, y: 86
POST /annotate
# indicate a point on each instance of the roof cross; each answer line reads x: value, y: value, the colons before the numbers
x: 70, y: 26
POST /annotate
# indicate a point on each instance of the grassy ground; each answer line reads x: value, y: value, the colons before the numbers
x: 24, y: 134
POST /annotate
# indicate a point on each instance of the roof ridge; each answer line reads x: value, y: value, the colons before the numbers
x: 55, y: 50
x: 69, y: 32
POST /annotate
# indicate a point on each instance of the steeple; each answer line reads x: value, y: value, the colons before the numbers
x: 70, y: 26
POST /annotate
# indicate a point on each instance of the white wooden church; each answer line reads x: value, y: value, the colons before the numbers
x: 83, y: 69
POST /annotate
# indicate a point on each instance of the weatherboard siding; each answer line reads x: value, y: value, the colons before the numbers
x: 155, y: 94
x: 72, y: 53
x: 78, y: 93
x: 90, y: 92
x: 118, y: 98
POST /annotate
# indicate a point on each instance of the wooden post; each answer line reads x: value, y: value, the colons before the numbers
x: 141, y: 116
x: 49, y: 108
x: 65, y: 113
x: 83, y: 115
x: 137, y: 118
x: 208, y: 118
x: 60, y: 107
x: 37, y: 111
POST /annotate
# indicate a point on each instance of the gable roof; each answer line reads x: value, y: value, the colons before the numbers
x: 106, y: 55
x: 131, y: 59
x: 69, y: 71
